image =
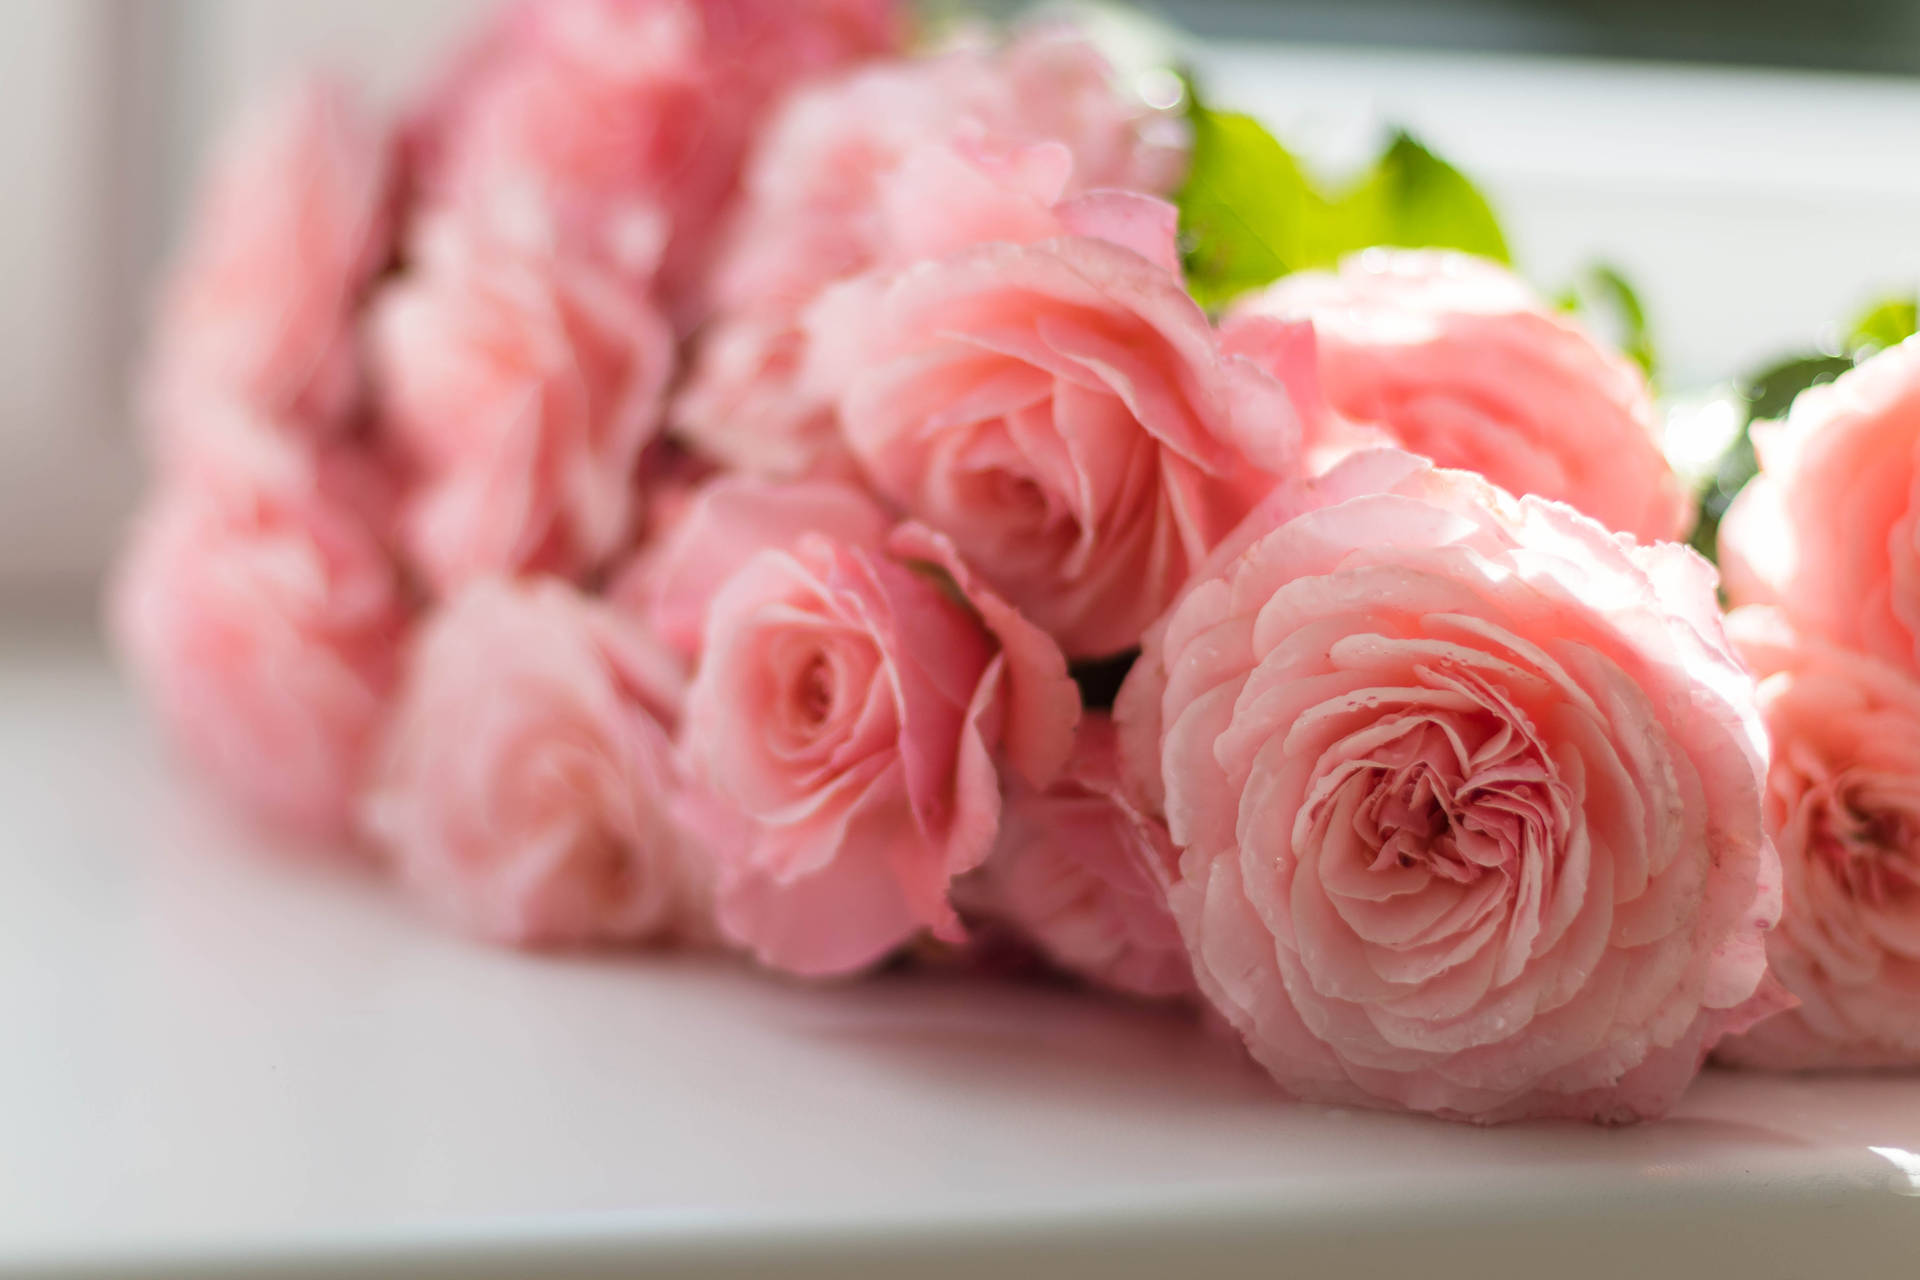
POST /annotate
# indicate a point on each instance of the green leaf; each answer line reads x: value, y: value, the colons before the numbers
x: 1244, y: 207
x: 1250, y: 213
x: 1767, y: 395
x: 1771, y: 391
x: 1887, y: 323
x: 1414, y: 199
x: 1603, y: 295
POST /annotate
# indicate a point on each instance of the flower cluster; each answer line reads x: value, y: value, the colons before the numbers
x: 706, y: 476
x: 1822, y: 555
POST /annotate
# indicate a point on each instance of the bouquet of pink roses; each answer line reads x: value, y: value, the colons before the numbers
x: 709, y: 476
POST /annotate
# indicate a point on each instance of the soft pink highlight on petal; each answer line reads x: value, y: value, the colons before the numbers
x: 1829, y: 531
x: 1454, y: 358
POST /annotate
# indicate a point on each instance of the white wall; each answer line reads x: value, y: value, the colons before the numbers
x: 1752, y: 208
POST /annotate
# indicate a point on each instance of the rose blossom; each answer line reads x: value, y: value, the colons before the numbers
x: 292, y: 224
x: 851, y: 169
x: 1061, y: 411
x: 727, y: 521
x: 618, y: 127
x: 1468, y: 796
x: 1453, y: 357
x: 527, y: 779
x: 258, y: 609
x: 1082, y: 873
x: 843, y: 732
x: 1843, y: 803
x: 1829, y: 531
x: 522, y: 389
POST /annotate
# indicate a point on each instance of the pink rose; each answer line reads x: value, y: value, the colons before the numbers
x: 521, y: 390
x: 1454, y: 358
x: 1468, y: 796
x: 851, y: 172
x: 1843, y: 804
x: 844, y: 731
x: 1829, y: 531
x: 258, y: 609
x: 728, y: 521
x: 528, y: 776
x: 1061, y: 411
x: 1082, y: 873
x: 812, y: 210
x: 618, y: 126
x: 292, y: 225
x: 748, y: 402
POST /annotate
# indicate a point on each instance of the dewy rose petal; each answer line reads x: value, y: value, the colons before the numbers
x: 528, y: 778
x: 1843, y: 803
x: 843, y: 734
x: 1061, y: 411
x: 1468, y: 796
x: 1829, y: 531
x: 1454, y: 358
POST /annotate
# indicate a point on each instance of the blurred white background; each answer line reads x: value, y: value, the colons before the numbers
x: 1754, y: 208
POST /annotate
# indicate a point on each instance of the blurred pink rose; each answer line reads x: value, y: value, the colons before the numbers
x: 1843, y: 803
x: 1468, y: 796
x: 528, y: 776
x: 1061, y: 411
x: 844, y: 729
x: 258, y: 610
x: 521, y: 390
x: 1829, y: 531
x: 1454, y: 358
x: 1083, y: 874
x: 899, y: 161
x: 293, y: 223
x: 618, y: 127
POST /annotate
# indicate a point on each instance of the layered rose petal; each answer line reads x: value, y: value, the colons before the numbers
x: 522, y: 390
x: 1843, y: 803
x: 901, y: 161
x: 294, y: 222
x: 1453, y: 358
x: 728, y: 521
x: 1060, y: 411
x: 1829, y: 531
x: 527, y: 782
x: 616, y: 128
x: 1081, y: 873
x: 1469, y: 814
x: 844, y: 730
x: 259, y: 610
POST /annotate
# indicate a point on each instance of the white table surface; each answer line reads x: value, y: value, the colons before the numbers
x: 217, y: 1060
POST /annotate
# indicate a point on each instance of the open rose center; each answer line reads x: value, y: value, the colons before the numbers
x: 1459, y: 798
x: 1869, y: 840
x: 821, y: 672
